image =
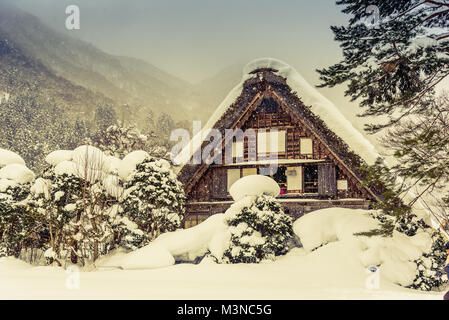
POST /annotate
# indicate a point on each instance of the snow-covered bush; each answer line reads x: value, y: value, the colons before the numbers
x: 18, y: 228
x: 413, y: 256
x: 15, y: 221
x: 258, y: 230
x: 77, y: 198
x: 153, y: 201
x: 429, y: 266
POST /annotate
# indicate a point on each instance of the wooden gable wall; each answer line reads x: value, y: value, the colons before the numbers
x: 213, y: 184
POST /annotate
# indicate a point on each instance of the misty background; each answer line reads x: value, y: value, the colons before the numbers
x: 158, y: 64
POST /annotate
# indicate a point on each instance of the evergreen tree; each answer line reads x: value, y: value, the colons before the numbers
x: 153, y: 201
x: 260, y: 230
x: 19, y: 228
x: 118, y: 141
x: 392, y: 66
x: 105, y: 116
x: 393, y: 63
x: 34, y: 128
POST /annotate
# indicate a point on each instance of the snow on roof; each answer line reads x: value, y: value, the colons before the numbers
x: 309, y: 95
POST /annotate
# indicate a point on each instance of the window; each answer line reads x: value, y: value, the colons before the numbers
x: 306, y: 146
x: 342, y: 184
x: 281, y: 178
x: 233, y: 176
x: 270, y: 142
x: 249, y: 171
x: 311, y: 179
x: 294, y: 178
x: 237, y: 149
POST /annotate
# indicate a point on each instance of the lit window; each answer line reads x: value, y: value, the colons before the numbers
x: 271, y: 142
x: 342, y: 184
x: 294, y: 178
x: 233, y: 176
x: 306, y: 146
x: 237, y: 149
x: 249, y: 171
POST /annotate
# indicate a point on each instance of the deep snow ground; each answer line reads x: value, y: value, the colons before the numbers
x: 295, y: 276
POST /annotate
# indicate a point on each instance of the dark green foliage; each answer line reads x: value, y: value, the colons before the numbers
x: 259, y: 231
x: 118, y: 141
x: 154, y: 201
x: 105, y: 116
x: 380, y: 178
x: 33, y: 128
x: 19, y: 227
x: 391, y: 65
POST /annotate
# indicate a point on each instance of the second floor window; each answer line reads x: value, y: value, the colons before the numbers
x: 271, y: 142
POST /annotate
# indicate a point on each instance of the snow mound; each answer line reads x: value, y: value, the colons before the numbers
x: 189, y: 244
x: 17, y: 173
x: 8, y: 157
x: 6, y: 183
x: 334, y: 224
x: 89, y: 157
x: 41, y: 186
x: 149, y: 257
x: 66, y: 167
x: 112, y: 186
x: 129, y: 163
x: 56, y: 157
x: 394, y: 255
x: 180, y: 245
x: 254, y: 185
x: 112, y: 164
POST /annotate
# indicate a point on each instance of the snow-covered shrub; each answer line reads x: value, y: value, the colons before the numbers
x: 78, y: 203
x: 259, y: 230
x: 153, y: 201
x: 16, y: 222
x: 18, y: 228
x: 429, y: 270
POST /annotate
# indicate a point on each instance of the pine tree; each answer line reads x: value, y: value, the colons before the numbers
x: 392, y: 66
x: 119, y: 141
x: 105, y: 116
x: 259, y: 231
x: 153, y: 201
x: 33, y: 128
x: 393, y: 63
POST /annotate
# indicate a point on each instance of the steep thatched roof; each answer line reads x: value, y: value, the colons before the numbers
x: 266, y: 79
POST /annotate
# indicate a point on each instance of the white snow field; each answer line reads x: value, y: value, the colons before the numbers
x: 338, y: 268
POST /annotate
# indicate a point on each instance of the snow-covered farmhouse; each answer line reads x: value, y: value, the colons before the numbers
x: 306, y: 147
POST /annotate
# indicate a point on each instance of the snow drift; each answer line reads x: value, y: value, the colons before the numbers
x: 394, y: 255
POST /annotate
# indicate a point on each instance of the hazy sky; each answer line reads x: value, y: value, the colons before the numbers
x: 195, y: 39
